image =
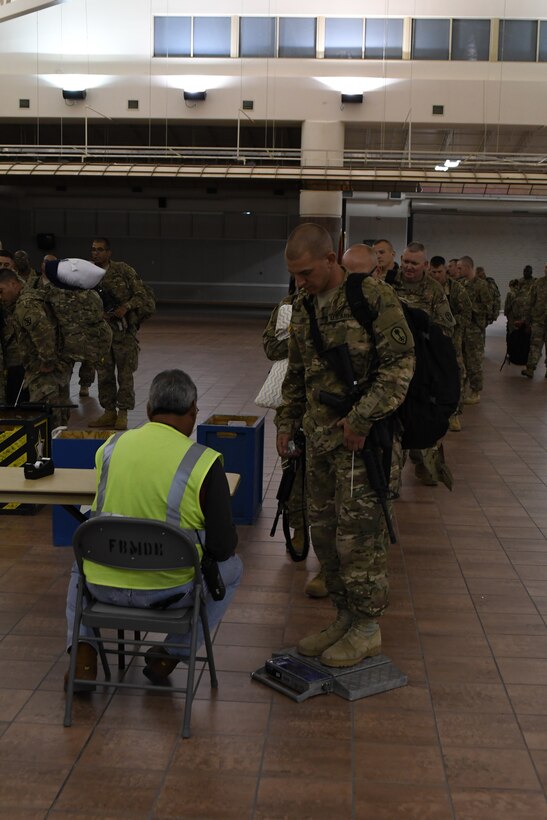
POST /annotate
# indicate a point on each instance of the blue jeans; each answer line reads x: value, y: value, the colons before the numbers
x: 230, y: 570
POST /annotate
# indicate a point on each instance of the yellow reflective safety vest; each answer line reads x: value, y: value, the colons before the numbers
x: 152, y: 472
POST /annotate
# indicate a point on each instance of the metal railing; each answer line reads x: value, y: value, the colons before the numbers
x: 283, y: 157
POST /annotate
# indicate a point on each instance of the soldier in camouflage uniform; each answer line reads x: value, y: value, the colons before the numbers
x: 346, y: 519
x: 84, y: 334
x: 25, y: 270
x: 460, y: 307
x: 474, y: 336
x: 536, y: 316
x: 122, y: 291
x: 13, y: 361
x: 362, y: 258
x: 417, y: 289
x: 37, y: 336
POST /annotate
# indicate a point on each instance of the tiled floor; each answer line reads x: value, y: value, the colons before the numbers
x: 466, y: 739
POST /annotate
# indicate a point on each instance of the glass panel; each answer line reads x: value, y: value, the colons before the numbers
x: 543, y: 41
x: 257, y: 37
x: 384, y: 39
x: 297, y: 36
x: 518, y: 41
x: 172, y: 36
x: 430, y: 39
x: 470, y: 39
x: 212, y: 36
x: 343, y: 38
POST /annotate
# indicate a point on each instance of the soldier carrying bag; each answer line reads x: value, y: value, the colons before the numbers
x: 434, y: 391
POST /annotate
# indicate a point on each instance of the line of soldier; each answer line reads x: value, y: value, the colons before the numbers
x: 525, y: 309
x: 48, y: 325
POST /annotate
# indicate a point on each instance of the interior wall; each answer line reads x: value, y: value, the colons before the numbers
x: 503, y: 245
x: 193, y: 249
x: 111, y: 44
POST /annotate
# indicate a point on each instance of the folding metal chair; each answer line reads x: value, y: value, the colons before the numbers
x: 138, y: 544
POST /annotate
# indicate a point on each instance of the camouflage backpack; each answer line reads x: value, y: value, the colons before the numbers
x: 495, y: 300
x: 83, y: 333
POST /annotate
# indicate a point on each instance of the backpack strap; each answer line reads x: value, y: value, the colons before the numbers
x: 314, y: 327
x: 357, y: 301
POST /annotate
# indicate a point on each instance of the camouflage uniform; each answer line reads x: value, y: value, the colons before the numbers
x: 274, y: 348
x: 13, y: 363
x: 460, y: 307
x: 121, y: 285
x: 428, y: 295
x: 536, y: 316
x: 37, y: 336
x: 516, y: 307
x: 83, y: 331
x: 348, y: 530
x: 474, y: 336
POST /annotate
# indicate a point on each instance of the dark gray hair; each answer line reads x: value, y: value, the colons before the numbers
x: 171, y: 391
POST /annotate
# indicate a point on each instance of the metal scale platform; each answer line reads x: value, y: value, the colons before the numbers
x: 370, y: 677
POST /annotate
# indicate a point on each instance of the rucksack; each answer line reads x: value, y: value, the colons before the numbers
x: 518, y: 346
x: 434, y: 391
x: 495, y: 305
x: 146, y: 309
x: 84, y: 334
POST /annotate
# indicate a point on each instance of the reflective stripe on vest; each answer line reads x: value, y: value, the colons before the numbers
x: 176, y: 490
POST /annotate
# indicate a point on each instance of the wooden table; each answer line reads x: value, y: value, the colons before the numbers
x: 67, y: 487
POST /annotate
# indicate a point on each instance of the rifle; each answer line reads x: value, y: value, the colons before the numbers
x: 378, y: 444
x: 110, y: 305
x: 290, y: 469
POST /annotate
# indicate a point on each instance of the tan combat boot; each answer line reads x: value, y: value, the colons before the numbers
x: 454, y: 424
x: 316, y: 643
x: 424, y: 475
x: 528, y: 373
x: 84, y: 391
x: 121, y: 421
x: 108, y: 419
x: 316, y: 587
x: 472, y: 398
x: 362, y: 640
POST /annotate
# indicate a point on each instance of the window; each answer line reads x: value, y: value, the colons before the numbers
x: 543, y: 42
x: 518, y: 41
x: 470, y: 40
x: 257, y: 37
x: 343, y: 38
x: 172, y: 36
x: 383, y: 39
x: 297, y: 37
x: 430, y: 39
x: 212, y: 36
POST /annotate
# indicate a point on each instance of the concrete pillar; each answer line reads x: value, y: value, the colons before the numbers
x: 322, y: 145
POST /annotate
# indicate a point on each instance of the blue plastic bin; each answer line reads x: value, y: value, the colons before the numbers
x: 240, y: 439
x: 76, y: 449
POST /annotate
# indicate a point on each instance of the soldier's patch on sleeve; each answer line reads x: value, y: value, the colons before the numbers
x: 27, y: 321
x: 399, y: 335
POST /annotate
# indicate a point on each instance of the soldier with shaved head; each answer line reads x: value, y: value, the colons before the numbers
x: 348, y: 529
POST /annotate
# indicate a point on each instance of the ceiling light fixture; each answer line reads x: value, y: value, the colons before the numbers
x: 68, y: 94
x: 194, y: 95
